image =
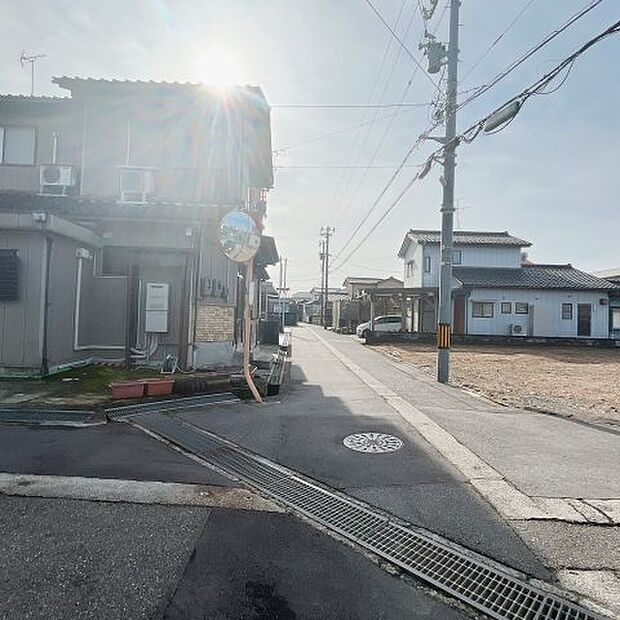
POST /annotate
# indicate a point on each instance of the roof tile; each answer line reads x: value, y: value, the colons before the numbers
x: 560, y: 277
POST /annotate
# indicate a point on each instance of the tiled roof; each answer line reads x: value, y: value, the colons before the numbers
x: 561, y: 277
x: 464, y: 237
x: 353, y: 280
x: 609, y: 274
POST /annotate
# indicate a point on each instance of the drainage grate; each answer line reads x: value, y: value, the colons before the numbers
x: 43, y: 415
x: 485, y: 586
x: 171, y: 404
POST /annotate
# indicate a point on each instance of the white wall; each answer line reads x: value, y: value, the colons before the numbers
x: 545, y: 318
x: 471, y: 256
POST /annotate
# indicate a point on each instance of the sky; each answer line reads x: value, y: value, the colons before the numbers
x: 550, y: 177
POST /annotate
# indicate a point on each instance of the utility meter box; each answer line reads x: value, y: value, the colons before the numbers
x: 157, y: 295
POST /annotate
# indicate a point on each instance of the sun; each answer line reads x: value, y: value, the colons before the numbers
x: 217, y: 67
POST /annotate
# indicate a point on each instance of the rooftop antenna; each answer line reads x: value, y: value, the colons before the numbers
x: 24, y: 59
x: 458, y: 211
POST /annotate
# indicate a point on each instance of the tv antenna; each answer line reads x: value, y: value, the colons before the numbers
x: 25, y: 59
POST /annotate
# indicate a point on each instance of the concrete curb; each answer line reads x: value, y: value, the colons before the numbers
x: 132, y: 491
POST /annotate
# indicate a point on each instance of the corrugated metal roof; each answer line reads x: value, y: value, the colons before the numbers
x: 33, y: 99
x: 68, y: 82
x: 561, y: 277
x: 464, y: 237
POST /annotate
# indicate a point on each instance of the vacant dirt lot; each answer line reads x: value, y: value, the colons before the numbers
x: 574, y: 382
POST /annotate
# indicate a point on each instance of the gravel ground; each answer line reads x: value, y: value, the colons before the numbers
x: 573, y: 382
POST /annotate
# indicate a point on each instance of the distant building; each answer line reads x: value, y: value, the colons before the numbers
x: 613, y: 275
x: 110, y: 201
x: 494, y: 293
x: 356, y: 286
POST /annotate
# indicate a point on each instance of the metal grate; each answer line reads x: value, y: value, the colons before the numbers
x: 484, y: 585
x: 43, y: 415
x: 171, y: 404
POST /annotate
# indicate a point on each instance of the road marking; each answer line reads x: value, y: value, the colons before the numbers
x: 132, y: 491
x: 509, y: 501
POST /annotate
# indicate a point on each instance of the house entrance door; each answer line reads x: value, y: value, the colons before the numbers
x: 459, y: 314
x: 584, y: 320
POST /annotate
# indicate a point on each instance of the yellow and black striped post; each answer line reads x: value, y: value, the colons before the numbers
x: 443, y: 336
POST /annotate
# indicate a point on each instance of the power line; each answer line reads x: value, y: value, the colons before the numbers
x: 509, y: 27
x: 386, y: 130
x: 400, y: 42
x: 336, y: 167
x: 470, y: 134
x: 372, y: 207
x: 282, y: 149
x: 348, y: 106
x: 344, y: 178
x: 517, y: 63
x: 474, y: 96
x: 416, y: 145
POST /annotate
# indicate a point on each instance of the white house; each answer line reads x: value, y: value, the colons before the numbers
x: 495, y: 292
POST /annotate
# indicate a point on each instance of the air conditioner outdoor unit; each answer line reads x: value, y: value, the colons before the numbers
x: 137, y: 184
x: 517, y: 330
x: 56, y: 179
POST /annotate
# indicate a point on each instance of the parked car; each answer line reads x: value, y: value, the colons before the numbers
x: 387, y: 323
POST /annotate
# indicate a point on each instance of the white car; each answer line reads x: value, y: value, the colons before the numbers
x: 387, y: 323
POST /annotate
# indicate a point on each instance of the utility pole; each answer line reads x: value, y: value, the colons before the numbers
x: 326, y: 233
x: 444, y: 327
x: 285, y: 295
x: 280, y: 294
x: 322, y: 295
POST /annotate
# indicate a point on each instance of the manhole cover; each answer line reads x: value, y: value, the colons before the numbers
x: 372, y: 442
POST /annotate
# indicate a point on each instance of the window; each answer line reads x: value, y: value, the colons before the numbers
x: 115, y: 261
x: 483, y: 309
x: 9, y: 275
x: 506, y: 307
x: 615, y: 318
x: 521, y: 307
x: 427, y: 264
x: 409, y: 268
x: 17, y: 145
x: 567, y: 312
x: 457, y: 257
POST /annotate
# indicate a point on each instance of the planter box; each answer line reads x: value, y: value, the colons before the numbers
x: 127, y: 389
x: 158, y: 387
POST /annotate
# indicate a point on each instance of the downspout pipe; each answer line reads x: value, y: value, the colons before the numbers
x: 45, y: 307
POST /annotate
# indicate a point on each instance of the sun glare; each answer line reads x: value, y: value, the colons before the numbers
x: 219, y: 68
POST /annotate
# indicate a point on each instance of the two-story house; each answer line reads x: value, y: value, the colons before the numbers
x: 497, y: 292
x: 110, y: 202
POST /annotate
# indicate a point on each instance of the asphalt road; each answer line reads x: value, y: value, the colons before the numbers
x: 114, y: 450
x: 326, y: 403
x: 266, y: 566
x: 74, y: 560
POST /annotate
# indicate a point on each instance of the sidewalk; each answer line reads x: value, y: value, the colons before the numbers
x: 554, y: 480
